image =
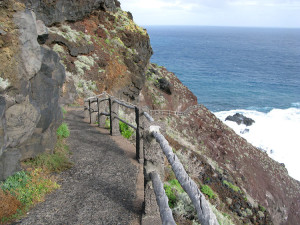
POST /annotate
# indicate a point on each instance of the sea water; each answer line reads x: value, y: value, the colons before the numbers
x: 253, y: 71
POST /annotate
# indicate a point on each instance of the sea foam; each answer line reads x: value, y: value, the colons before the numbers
x: 277, y: 132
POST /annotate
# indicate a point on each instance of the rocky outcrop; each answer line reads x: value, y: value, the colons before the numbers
x: 94, y: 41
x: 58, y: 11
x: 240, y: 119
x: 31, y: 77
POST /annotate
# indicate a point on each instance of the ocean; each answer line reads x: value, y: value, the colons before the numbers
x: 253, y: 71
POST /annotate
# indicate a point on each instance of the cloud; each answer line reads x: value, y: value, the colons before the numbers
x: 284, y: 13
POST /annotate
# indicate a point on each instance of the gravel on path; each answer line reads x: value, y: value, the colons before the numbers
x: 103, y: 187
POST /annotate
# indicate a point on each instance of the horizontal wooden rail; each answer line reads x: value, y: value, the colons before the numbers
x: 104, y: 114
x: 148, y: 117
x: 204, y: 212
x: 205, y: 215
x: 124, y: 104
x: 162, y: 200
x: 126, y: 123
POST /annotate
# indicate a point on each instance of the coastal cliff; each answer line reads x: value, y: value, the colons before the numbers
x: 59, y: 52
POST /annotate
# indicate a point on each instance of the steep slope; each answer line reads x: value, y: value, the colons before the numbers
x: 245, y: 179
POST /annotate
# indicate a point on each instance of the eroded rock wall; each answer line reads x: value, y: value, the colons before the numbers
x: 31, y: 77
x: 61, y: 51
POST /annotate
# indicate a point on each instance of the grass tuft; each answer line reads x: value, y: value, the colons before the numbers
x: 205, y: 189
x: 125, y: 130
x: 56, y: 162
x: 172, y: 189
x: 20, y: 191
x: 231, y: 186
x: 63, y: 131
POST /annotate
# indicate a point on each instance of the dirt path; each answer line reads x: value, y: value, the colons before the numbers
x: 101, y: 188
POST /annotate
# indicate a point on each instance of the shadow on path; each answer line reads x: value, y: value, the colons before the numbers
x: 101, y: 187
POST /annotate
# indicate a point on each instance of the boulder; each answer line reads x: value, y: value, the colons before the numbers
x: 165, y: 85
x: 240, y: 119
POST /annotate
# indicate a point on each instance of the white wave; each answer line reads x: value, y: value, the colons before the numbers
x: 296, y: 104
x: 277, y: 132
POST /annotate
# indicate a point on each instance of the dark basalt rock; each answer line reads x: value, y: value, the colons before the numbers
x: 29, y: 109
x: 240, y: 119
x: 130, y: 15
x: 165, y: 85
x: 75, y: 49
x: 58, y: 11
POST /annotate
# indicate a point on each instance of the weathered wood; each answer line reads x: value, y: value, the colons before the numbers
x: 98, y: 116
x: 103, y: 99
x: 204, y: 212
x: 126, y: 122
x: 115, y: 130
x: 90, y: 112
x: 124, y: 104
x: 104, y: 114
x: 148, y: 117
x: 137, y: 136
x: 110, y: 115
x: 153, y: 161
x: 101, y: 114
x: 162, y: 200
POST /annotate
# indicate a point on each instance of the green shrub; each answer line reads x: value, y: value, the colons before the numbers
x: 205, y: 189
x: 28, y: 188
x: 56, y: 162
x: 175, y: 184
x: 171, y: 195
x: 63, y: 131
x: 18, y: 180
x: 172, y: 189
x: 125, y: 130
x: 231, y: 186
x: 107, y: 41
x: 261, y: 208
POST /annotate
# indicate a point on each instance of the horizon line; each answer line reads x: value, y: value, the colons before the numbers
x: 229, y: 26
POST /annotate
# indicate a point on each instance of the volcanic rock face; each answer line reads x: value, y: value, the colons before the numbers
x: 31, y: 76
x: 93, y: 42
x: 58, y: 11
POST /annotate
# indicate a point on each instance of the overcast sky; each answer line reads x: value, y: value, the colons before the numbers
x: 257, y: 13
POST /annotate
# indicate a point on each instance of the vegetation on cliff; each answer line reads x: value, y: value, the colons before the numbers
x: 102, y: 49
x: 24, y: 189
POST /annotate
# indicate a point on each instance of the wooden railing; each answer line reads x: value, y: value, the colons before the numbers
x: 150, y: 154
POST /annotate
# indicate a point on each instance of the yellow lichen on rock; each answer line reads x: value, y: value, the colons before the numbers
x: 9, y: 43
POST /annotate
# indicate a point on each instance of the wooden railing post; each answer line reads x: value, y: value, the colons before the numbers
x: 101, y: 109
x: 98, y: 112
x: 90, y: 111
x: 139, y: 152
x: 114, y: 122
x: 153, y: 161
